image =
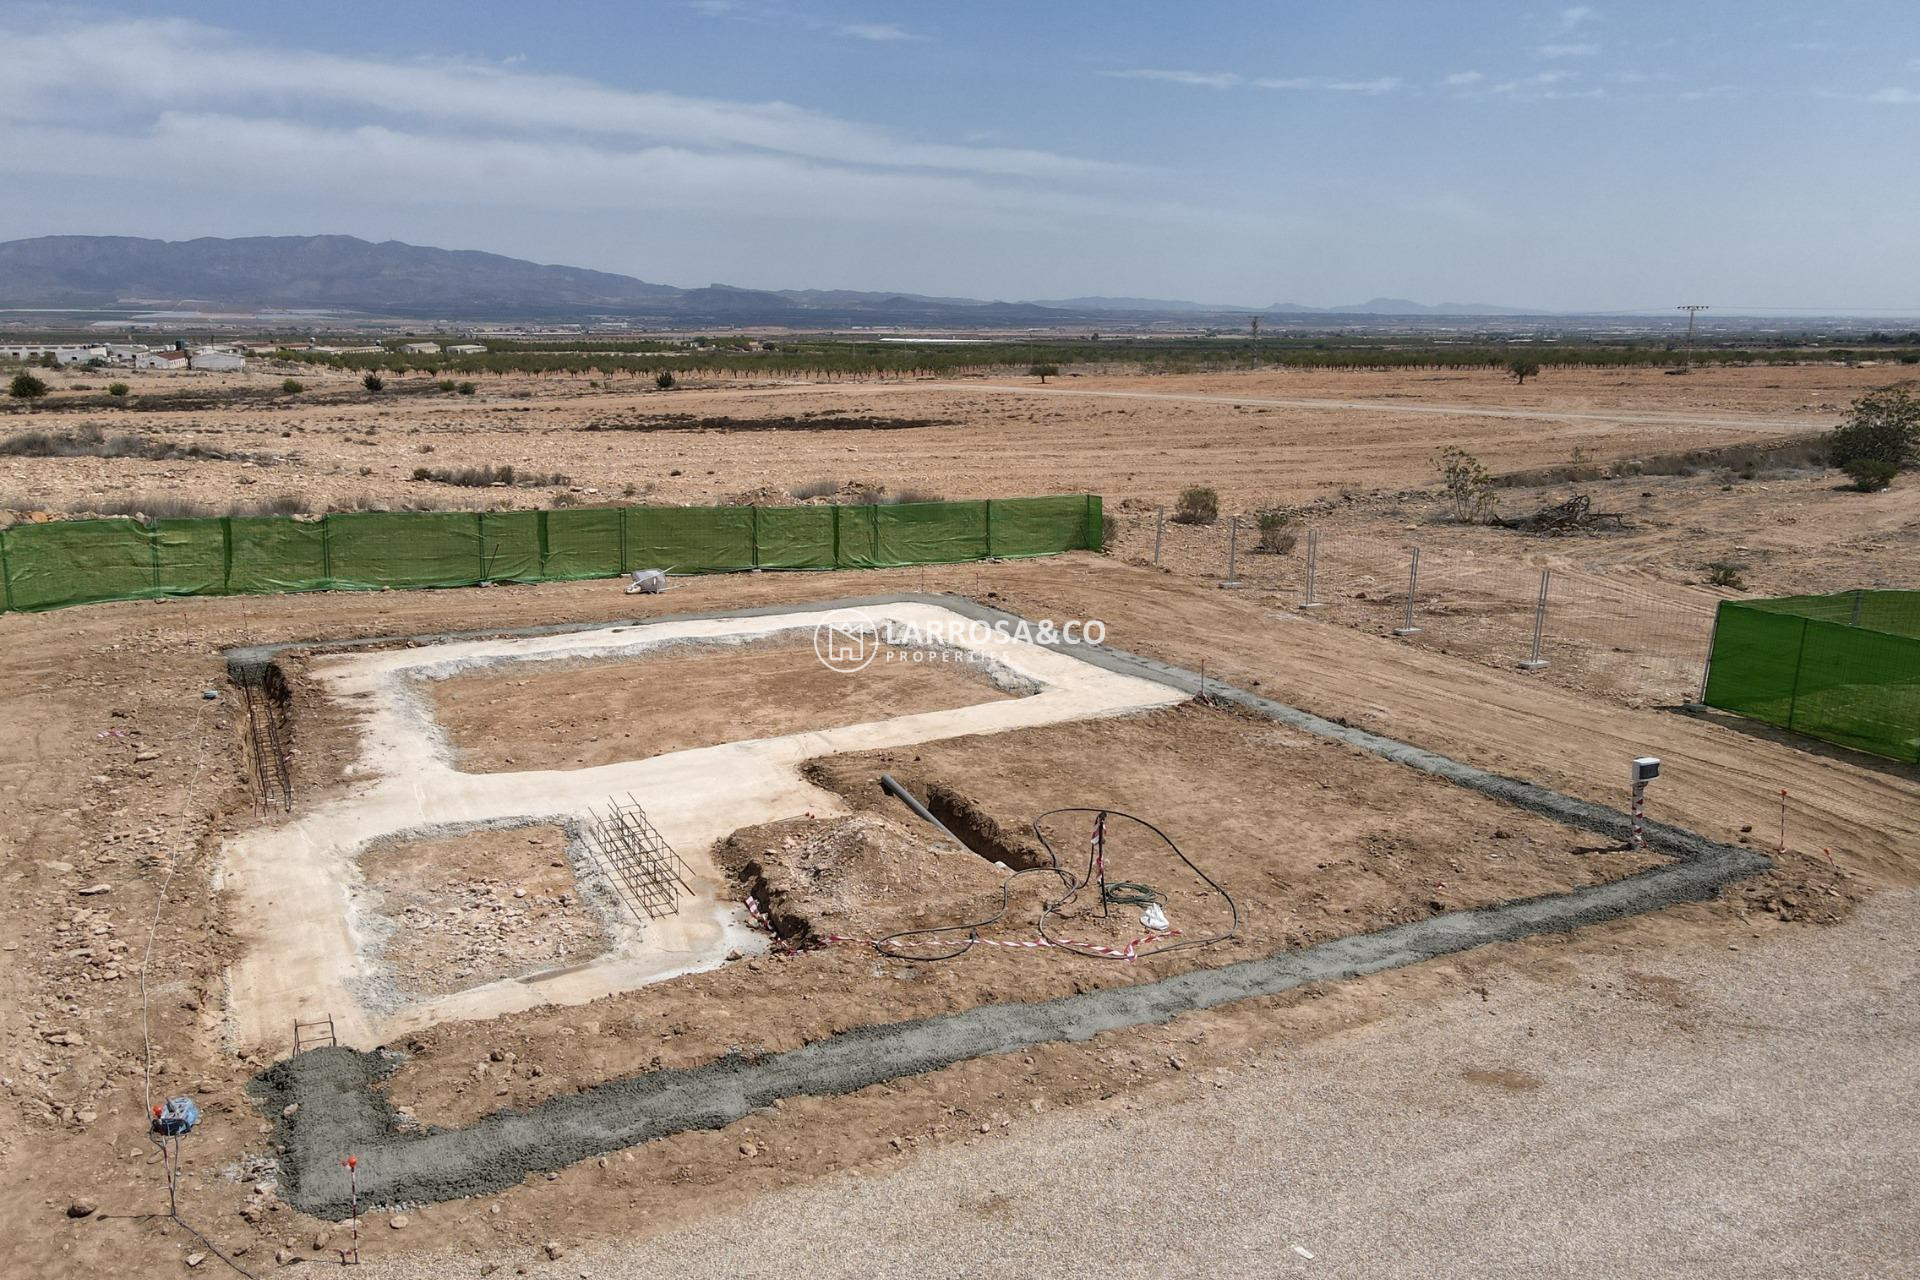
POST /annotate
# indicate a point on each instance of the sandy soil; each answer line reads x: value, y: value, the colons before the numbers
x: 464, y: 910
x: 578, y: 715
x: 988, y: 441
x: 116, y: 770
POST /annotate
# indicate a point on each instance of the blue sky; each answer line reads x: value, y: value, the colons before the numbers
x: 1607, y: 156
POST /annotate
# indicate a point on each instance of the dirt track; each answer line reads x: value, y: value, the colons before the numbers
x: 116, y: 767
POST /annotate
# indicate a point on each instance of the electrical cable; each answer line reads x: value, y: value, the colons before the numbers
x: 169, y: 1161
x: 1116, y: 892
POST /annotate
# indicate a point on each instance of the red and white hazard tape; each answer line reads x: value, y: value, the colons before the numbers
x: 1129, y: 953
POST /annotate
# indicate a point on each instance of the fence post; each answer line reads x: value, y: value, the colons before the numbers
x: 1313, y: 568
x: 1233, y: 582
x: 1534, y: 661
x: 1159, y: 529
x: 1706, y: 666
x: 1413, y: 584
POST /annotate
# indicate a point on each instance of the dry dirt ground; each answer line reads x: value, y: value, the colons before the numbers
x: 338, y: 445
x: 122, y: 779
x: 577, y: 715
x: 460, y: 911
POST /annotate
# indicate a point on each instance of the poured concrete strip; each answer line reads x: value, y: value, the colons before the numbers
x: 339, y: 1111
x: 308, y: 951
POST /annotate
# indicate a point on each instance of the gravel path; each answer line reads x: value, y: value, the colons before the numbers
x: 1703, y: 1113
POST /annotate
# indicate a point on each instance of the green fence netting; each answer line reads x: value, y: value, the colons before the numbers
x: 47, y: 566
x: 1844, y: 668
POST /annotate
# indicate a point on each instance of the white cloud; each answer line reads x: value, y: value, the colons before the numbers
x: 207, y: 111
x: 1172, y: 75
x: 1463, y: 79
x: 1381, y: 84
x: 150, y: 65
x: 1384, y: 84
x: 882, y: 32
x: 1569, y: 50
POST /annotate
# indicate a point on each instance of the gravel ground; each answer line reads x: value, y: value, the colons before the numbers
x: 1737, y: 1113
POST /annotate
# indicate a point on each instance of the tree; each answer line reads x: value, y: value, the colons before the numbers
x: 26, y: 387
x: 664, y: 380
x: 1522, y: 368
x: 1469, y: 485
x: 373, y: 382
x: 1043, y: 372
x: 1879, y: 439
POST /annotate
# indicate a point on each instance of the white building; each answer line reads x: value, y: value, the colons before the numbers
x: 217, y: 361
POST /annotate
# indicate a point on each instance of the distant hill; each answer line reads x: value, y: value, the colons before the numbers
x: 343, y: 273
x: 299, y: 271
x: 1159, y: 306
x: 1402, y: 307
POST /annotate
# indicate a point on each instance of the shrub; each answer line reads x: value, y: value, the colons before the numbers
x: 1469, y: 485
x: 26, y: 387
x: 485, y: 476
x: 664, y: 380
x: 1276, y: 535
x: 1198, y: 505
x: 373, y: 382
x: 1883, y: 428
x: 1726, y: 573
x: 118, y: 388
x: 293, y: 386
x: 1870, y: 475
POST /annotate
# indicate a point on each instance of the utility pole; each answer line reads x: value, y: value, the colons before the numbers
x: 1692, y: 310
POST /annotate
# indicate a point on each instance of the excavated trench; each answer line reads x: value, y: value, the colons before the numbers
x: 340, y: 1110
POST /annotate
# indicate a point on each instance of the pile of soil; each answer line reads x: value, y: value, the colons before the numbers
x: 858, y: 876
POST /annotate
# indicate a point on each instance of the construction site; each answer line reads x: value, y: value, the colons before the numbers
x: 635, y: 888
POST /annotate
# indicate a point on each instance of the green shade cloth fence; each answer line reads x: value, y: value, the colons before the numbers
x: 47, y: 566
x: 1844, y: 668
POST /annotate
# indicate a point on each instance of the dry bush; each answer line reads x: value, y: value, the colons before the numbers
x: 1276, y: 535
x: 1198, y: 505
x: 484, y: 477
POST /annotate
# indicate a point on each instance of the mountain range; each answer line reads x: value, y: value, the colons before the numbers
x: 344, y: 273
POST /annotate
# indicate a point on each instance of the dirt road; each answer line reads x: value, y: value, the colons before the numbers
x: 1734, y: 1113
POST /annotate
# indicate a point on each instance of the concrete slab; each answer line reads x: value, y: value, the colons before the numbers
x: 293, y: 885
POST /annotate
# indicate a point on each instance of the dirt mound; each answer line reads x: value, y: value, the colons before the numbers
x: 858, y: 876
